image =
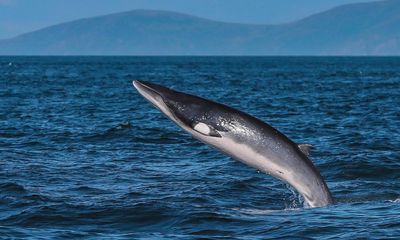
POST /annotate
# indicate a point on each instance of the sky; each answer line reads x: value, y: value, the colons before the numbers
x: 21, y: 16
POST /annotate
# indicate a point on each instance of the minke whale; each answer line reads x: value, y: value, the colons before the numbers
x: 242, y: 137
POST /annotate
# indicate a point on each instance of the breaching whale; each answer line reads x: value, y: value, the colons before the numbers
x: 242, y: 137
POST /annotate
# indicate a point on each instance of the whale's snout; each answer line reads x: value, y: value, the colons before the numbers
x: 152, y: 89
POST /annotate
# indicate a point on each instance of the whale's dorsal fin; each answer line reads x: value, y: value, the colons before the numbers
x: 206, y: 129
x: 305, y: 148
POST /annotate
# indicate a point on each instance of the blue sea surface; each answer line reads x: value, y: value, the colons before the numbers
x: 83, y: 155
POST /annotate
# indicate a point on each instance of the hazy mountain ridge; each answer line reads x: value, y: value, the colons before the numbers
x: 355, y: 29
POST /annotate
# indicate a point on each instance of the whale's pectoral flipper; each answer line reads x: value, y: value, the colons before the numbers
x: 205, y: 129
x: 306, y: 148
x: 242, y: 137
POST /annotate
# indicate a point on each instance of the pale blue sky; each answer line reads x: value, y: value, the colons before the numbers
x: 19, y: 16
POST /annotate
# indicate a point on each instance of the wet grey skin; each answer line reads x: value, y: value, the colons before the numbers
x: 243, y: 137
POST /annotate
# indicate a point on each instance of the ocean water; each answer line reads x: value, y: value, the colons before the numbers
x: 83, y: 155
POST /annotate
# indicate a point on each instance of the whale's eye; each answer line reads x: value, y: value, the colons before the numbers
x: 206, y: 129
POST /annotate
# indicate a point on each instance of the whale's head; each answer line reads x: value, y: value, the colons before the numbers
x: 194, y: 114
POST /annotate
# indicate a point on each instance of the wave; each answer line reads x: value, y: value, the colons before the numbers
x: 8, y: 188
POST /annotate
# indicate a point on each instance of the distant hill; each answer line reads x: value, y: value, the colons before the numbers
x: 355, y: 29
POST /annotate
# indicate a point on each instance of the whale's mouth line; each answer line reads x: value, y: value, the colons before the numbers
x: 149, y: 91
x: 143, y: 87
x: 150, y: 94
